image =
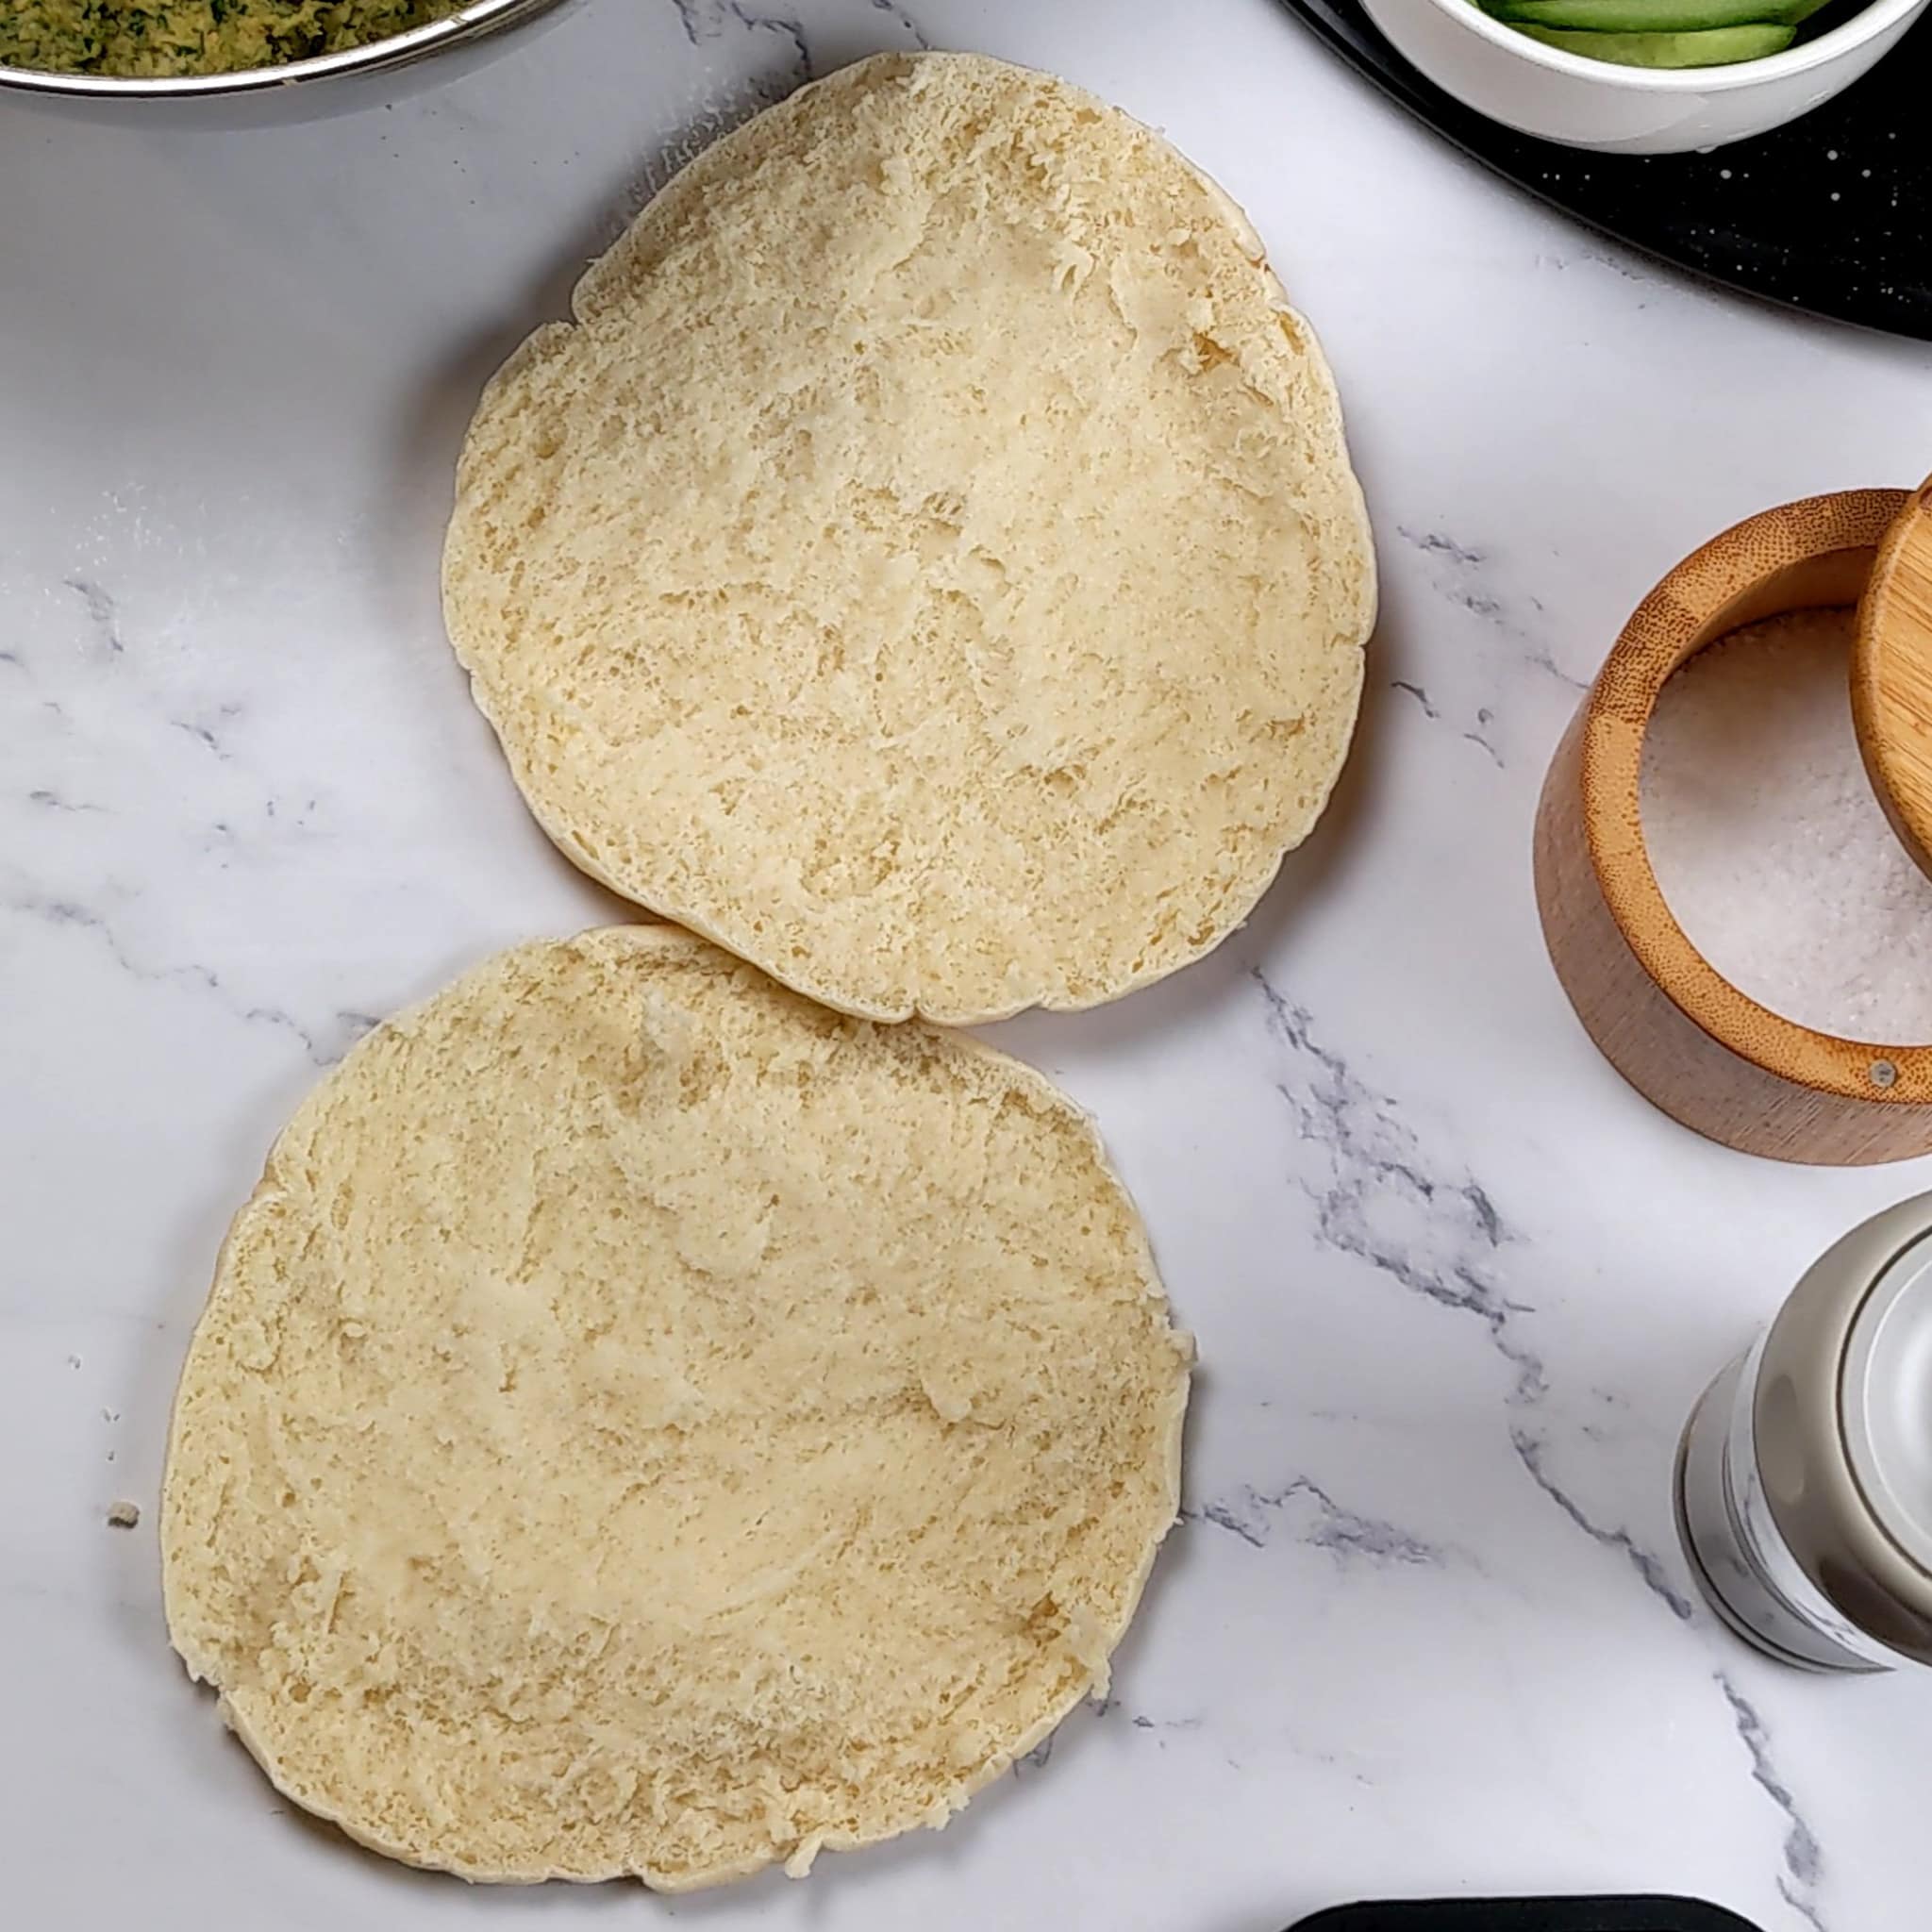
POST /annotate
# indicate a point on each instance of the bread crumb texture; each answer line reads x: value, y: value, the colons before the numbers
x: 644, y: 1422
x: 929, y: 564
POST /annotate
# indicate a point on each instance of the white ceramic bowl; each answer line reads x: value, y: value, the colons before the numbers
x: 1635, y: 110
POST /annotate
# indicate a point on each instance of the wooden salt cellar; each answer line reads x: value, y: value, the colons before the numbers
x: 1679, y: 1032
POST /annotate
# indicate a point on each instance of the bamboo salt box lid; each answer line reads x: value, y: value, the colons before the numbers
x: 1891, y: 676
x: 1687, y: 1038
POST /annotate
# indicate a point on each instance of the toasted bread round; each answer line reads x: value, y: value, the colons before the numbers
x: 644, y: 1422
x: 929, y: 564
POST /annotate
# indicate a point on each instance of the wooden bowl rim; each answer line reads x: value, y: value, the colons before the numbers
x: 1878, y: 733
x: 1658, y: 637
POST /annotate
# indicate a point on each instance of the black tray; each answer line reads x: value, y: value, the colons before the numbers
x: 1832, y: 213
x: 1530, y: 1915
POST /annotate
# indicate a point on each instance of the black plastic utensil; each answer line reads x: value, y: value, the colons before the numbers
x: 1600, y: 1914
x: 1832, y: 213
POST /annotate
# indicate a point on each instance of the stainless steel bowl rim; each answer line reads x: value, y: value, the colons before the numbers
x: 467, y: 23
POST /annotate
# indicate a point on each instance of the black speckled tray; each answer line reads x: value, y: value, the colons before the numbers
x: 1832, y: 213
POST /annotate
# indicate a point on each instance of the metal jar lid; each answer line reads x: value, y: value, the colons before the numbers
x: 1843, y: 1425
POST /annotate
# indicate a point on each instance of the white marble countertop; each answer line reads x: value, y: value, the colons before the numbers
x: 1425, y: 1628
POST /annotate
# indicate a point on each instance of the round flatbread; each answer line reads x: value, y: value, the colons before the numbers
x: 646, y: 1424
x: 930, y: 565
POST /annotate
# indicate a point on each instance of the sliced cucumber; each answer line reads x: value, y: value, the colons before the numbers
x: 1651, y: 16
x: 1717, y: 46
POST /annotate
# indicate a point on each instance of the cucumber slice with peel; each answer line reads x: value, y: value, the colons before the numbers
x: 1651, y: 16
x: 1717, y: 46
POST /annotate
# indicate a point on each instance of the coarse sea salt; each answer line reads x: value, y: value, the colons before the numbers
x: 1770, y: 846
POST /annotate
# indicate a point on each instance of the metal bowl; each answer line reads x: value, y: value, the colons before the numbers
x: 295, y: 89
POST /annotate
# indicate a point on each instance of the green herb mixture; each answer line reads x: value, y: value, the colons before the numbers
x: 154, y: 38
